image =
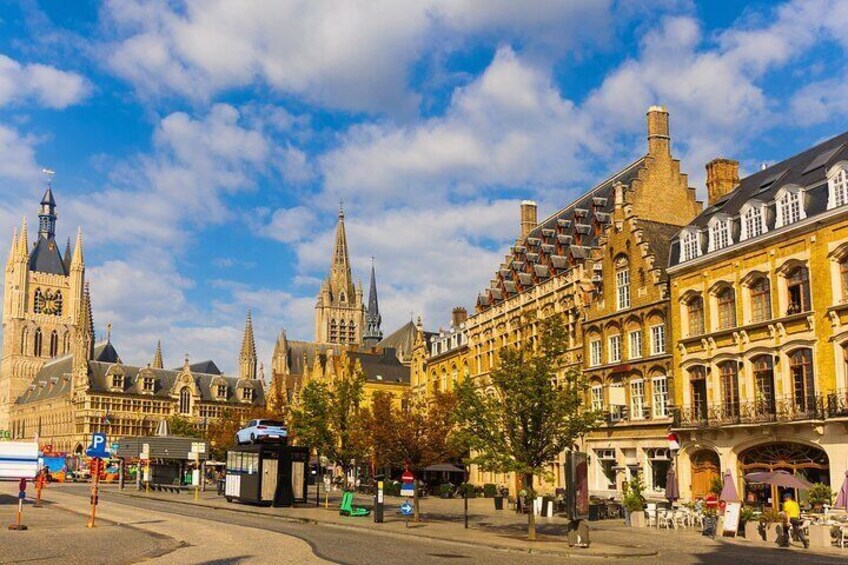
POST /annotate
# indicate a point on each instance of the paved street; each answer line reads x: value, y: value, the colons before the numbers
x: 171, y: 529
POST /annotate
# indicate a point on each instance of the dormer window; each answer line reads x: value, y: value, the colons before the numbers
x: 690, y: 244
x: 221, y: 391
x: 720, y: 236
x: 837, y: 186
x: 790, y: 206
x: 247, y: 393
x: 118, y: 381
x: 148, y: 384
x: 753, y: 219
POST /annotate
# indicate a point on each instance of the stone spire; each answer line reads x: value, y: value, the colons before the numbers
x: 157, y: 357
x: 78, y: 261
x: 373, y: 332
x: 247, y: 357
x: 47, y: 214
x: 341, y: 280
x: 23, y: 242
x: 68, y: 255
x: 13, y: 250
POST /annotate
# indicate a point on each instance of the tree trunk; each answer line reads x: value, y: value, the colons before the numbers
x: 531, y: 507
x: 416, y: 510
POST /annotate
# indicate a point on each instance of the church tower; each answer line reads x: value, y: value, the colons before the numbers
x: 373, y: 320
x: 247, y: 356
x: 43, y: 294
x: 339, y: 310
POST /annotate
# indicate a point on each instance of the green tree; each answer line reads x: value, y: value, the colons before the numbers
x: 528, y: 421
x: 183, y: 427
x: 326, y: 417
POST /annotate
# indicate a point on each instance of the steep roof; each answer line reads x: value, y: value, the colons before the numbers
x: 402, y: 340
x: 381, y: 366
x: 45, y: 257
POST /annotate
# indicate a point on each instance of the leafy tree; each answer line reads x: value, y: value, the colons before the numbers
x: 525, y: 425
x: 374, y: 433
x: 182, y: 427
x: 221, y: 432
x: 326, y: 417
x: 414, y: 436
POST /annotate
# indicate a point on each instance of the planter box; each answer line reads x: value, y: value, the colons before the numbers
x: 637, y: 519
x: 771, y: 532
x: 752, y: 531
x: 820, y: 535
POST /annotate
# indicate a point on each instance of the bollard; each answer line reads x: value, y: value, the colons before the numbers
x: 95, y: 467
x: 21, y: 495
x: 378, y: 503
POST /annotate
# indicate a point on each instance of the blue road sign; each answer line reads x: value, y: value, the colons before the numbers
x: 22, y: 495
x: 406, y: 509
x: 98, y: 447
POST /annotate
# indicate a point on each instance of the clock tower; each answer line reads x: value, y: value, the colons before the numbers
x: 43, y: 294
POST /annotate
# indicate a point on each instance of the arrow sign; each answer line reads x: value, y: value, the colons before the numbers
x: 406, y: 509
x: 98, y: 447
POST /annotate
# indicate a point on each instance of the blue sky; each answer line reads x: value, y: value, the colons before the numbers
x: 204, y: 146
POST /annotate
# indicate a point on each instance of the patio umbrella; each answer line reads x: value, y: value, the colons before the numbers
x: 672, y: 491
x: 777, y: 479
x: 842, y: 498
x: 728, y: 491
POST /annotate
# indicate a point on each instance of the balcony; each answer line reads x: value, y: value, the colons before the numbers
x: 780, y: 410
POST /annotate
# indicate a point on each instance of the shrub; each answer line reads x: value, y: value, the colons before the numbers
x: 446, y: 490
x: 469, y: 490
x: 391, y: 488
x: 489, y: 490
x: 633, y: 499
x: 746, y: 514
x: 819, y: 494
x: 716, y: 486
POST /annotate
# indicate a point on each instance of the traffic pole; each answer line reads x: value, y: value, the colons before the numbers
x: 94, y: 489
x: 18, y: 525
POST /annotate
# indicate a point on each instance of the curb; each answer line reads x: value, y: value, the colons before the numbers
x: 633, y: 552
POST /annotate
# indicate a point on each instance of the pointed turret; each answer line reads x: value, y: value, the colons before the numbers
x: 68, y: 254
x: 247, y: 357
x: 373, y: 332
x: 341, y: 281
x: 157, y: 357
x: 83, y: 347
x: 10, y: 261
x: 78, y: 261
x: 47, y: 214
x: 23, y: 243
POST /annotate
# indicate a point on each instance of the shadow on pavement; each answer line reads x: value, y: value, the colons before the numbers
x: 765, y: 555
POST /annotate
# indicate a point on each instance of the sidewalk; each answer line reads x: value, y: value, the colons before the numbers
x: 443, y: 521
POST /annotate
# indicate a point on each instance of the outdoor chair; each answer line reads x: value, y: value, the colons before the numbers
x: 652, y: 518
x: 843, y: 536
x: 347, y: 509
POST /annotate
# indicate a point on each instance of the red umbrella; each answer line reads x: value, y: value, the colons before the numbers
x: 778, y: 479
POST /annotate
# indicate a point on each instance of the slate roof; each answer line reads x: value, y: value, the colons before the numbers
x: 382, y: 366
x: 558, y: 242
x: 658, y: 235
x: 402, y: 340
x: 806, y: 169
x: 208, y: 367
x: 297, y: 349
x: 45, y: 257
x: 53, y: 380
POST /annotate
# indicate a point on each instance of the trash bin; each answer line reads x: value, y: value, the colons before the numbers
x: 499, y: 503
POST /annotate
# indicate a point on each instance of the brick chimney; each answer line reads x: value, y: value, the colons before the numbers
x: 458, y: 316
x: 722, y: 177
x: 528, y: 217
x: 658, y: 132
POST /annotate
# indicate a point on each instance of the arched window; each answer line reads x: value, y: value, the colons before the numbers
x: 798, y: 287
x: 454, y: 376
x: 698, y: 390
x: 764, y: 386
x: 729, y: 373
x: 37, y: 343
x: 803, y: 385
x: 720, y: 236
x: 837, y: 183
x: 54, y: 344
x: 760, y: 300
x: 24, y: 340
x: 690, y: 244
x: 622, y: 283
x: 843, y: 278
x: 444, y: 383
x: 185, y: 400
x: 753, y: 220
x: 726, y: 298
x: 351, y: 332
x: 334, y: 331
x: 66, y: 342
x: 38, y: 300
x: 790, y: 208
x: 695, y: 313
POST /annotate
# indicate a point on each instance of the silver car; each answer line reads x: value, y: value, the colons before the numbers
x: 262, y: 430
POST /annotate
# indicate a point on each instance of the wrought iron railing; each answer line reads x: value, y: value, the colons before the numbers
x: 781, y: 409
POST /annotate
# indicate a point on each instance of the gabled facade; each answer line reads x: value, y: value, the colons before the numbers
x: 440, y: 360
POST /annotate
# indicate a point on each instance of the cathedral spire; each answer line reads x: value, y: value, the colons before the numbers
x: 247, y: 357
x: 340, y: 276
x: 157, y: 356
x: 373, y: 332
x: 68, y: 255
x: 13, y: 250
x: 23, y: 243
x: 77, y: 262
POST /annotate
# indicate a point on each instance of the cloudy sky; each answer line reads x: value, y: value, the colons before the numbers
x: 204, y: 145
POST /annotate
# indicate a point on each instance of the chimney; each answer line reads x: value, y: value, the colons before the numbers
x: 528, y: 217
x: 722, y: 178
x: 658, y: 136
x: 458, y: 316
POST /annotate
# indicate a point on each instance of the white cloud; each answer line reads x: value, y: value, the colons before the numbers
x: 42, y: 84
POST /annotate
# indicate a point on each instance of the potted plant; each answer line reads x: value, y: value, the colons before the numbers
x: 501, y: 493
x: 446, y: 490
x: 746, y: 514
x: 634, y: 502
x: 489, y: 490
x: 468, y: 490
x: 818, y: 495
x: 769, y: 521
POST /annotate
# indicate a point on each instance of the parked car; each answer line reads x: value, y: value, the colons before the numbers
x: 262, y: 430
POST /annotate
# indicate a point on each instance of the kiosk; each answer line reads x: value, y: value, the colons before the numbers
x: 270, y: 475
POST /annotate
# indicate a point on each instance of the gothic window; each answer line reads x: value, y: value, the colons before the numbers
x: 753, y: 220
x: 185, y: 400
x: 334, y: 333
x: 36, y: 343
x: 803, y: 386
x: 726, y: 298
x: 342, y: 331
x: 54, y: 344
x: 728, y: 372
x: 790, y: 207
x: 760, y: 300
x: 622, y: 283
x: 695, y: 313
x: 837, y: 183
x: 24, y: 340
x: 351, y: 332
x: 720, y: 234
x: 37, y: 301
x: 798, y: 288
x: 66, y: 343
x: 690, y: 244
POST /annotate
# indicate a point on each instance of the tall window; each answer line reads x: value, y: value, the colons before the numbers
x: 595, y: 352
x: 695, y: 313
x: 789, y: 209
x: 690, y: 245
x: 342, y: 331
x: 635, y: 338
x: 622, y: 286
x: 803, y: 386
x: 753, y: 221
x: 597, y: 398
x: 728, y: 371
x: 726, y: 308
x: 798, y: 287
x: 614, y: 349
x: 637, y: 399
x: 760, y: 300
x: 660, y: 391
x: 719, y: 234
x: 657, y: 339
x: 24, y: 340
x: 334, y: 331
x: 54, y: 344
x: 838, y: 189
x: 698, y: 388
x: 843, y: 278
x: 185, y: 401
x: 37, y: 343
x: 117, y: 381
x: 764, y: 385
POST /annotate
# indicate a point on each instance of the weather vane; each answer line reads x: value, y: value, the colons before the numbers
x: 49, y: 173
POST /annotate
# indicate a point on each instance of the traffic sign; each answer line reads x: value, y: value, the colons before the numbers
x: 22, y: 495
x: 22, y: 485
x: 406, y: 509
x: 407, y: 477
x: 98, y: 446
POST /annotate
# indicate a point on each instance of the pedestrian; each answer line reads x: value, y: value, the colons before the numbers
x: 793, y: 515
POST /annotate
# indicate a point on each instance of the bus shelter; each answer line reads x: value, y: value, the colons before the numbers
x: 271, y: 475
